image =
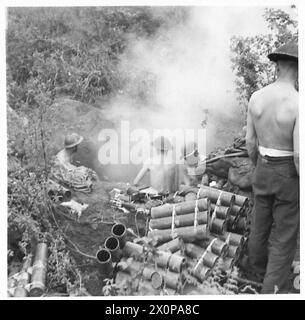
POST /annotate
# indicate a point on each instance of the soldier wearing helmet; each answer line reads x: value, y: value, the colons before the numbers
x: 161, y: 168
x: 65, y: 156
x: 273, y: 144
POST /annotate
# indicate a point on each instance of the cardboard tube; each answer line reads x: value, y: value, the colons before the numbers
x: 103, y: 257
x: 171, y: 279
x: 219, y: 247
x: 188, y: 234
x: 222, y: 212
x: 180, y: 208
x: 227, y: 198
x: 201, y: 272
x: 180, y: 221
x: 156, y: 280
x: 112, y: 244
x: 241, y: 200
x: 233, y: 252
x: 131, y: 249
x: 236, y: 210
x: 194, y: 251
x: 218, y: 226
x: 171, y: 246
x: 235, y: 239
x: 39, y: 272
x: 119, y: 231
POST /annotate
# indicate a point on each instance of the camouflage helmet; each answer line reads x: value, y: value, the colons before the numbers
x: 162, y: 143
x: 288, y: 51
x: 72, y: 140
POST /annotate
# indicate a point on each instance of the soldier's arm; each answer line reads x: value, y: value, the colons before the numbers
x: 141, y: 174
x: 296, y: 142
x: 251, y: 137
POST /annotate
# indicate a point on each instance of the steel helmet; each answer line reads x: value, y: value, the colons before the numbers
x: 72, y: 140
x: 162, y: 143
x: 288, y: 51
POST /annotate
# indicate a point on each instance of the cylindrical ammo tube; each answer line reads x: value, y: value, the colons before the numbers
x: 236, y: 210
x: 103, y: 257
x: 219, y: 247
x: 112, y: 244
x: 119, y: 231
x: 39, y: 271
x: 179, y: 221
x: 201, y: 272
x: 241, y: 200
x: 188, y: 234
x: 218, y: 225
x: 226, y: 198
x: 235, y: 239
x: 172, y: 246
x: 131, y: 249
x: 166, y: 210
x: 171, y: 279
x: 209, y: 258
x: 157, y: 280
x: 222, y: 212
x: 233, y: 252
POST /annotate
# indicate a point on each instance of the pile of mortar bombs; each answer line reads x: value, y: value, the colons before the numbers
x: 189, y: 238
x: 30, y: 281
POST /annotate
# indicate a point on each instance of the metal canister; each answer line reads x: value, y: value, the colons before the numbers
x: 210, y: 259
x: 119, y: 231
x: 218, y: 225
x: 233, y: 252
x: 39, y: 271
x: 103, y: 257
x: 112, y: 244
x: 219, y: 247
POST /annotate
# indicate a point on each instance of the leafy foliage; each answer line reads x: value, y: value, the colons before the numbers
x: 249, y: 54
x: 75, y: 51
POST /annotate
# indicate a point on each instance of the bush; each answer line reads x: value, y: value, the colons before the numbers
x: 249, y: 54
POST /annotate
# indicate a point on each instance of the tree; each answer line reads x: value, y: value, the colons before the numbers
x: 249, y: 54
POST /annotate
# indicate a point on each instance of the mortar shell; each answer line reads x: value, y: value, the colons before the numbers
x: 131, y: 249
x: 222, y: 212
x: 188, y: 234
x: 210, y: 259
x: 226, y: 198
x: 113, y: 245
x: 218, y: 226
x: 39, y: 272
x: 172, y: 246
x: 180, y: 221
x: 233, y: 252
x: 103, y: 257
x: 119, y: 231
x: 180, y: 208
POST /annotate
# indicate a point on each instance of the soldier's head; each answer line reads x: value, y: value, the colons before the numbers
x: 72, y: 141
x: 162, y: 144
x: 286, y: 59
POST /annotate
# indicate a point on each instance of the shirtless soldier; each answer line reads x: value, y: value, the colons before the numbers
x: 273, y: 145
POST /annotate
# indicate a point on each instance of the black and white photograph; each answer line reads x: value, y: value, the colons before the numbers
x: 151, y: 150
